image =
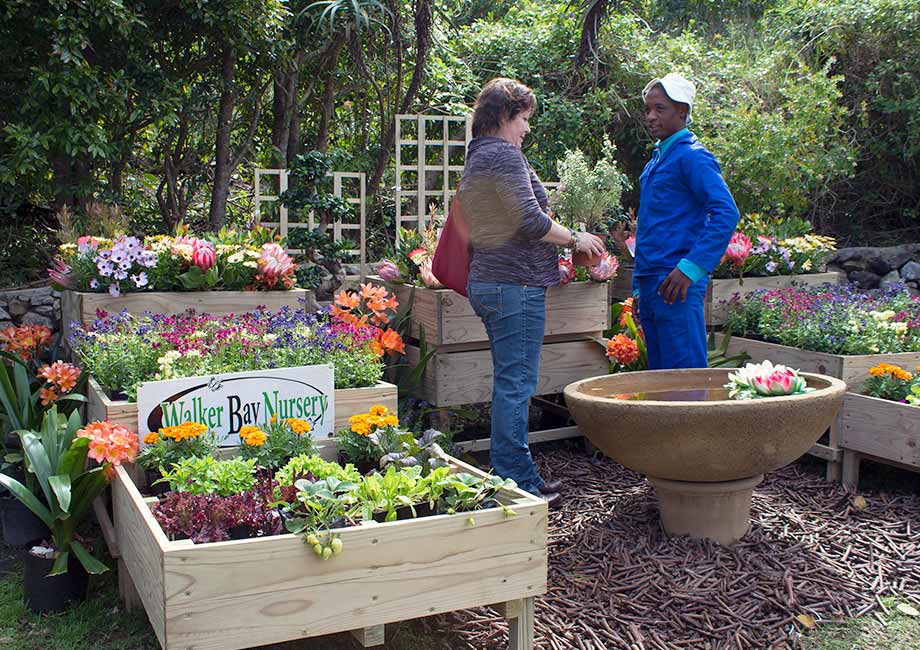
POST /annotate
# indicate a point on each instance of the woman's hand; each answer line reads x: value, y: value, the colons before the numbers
x: 585, y: 242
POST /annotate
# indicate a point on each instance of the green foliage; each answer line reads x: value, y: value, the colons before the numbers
x: 207, y: 475
x: 65, y: 488
x: 588, y: 194
x: 165, y: 453
x: 394, y: 489
x: 313, y: 465
x: 281, y: 444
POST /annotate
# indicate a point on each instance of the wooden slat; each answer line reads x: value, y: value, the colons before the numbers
x: 142, y: 542
x: 881, y: 428
x: 533, y: 438
x: 466, y: 377
x: 368, y: 637
x: 106, y: 526
x: 721, y: 291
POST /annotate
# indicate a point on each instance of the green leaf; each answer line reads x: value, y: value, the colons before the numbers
x: 60, y: 564
x: 60, y: 484
x: 193, y: 278
x: 27, y: 499
x: 38, y: 462
x: 91, y: 564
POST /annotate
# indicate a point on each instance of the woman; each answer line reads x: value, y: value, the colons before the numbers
x: 513, y: 260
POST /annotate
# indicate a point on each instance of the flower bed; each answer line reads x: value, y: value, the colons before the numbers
x: 723, y: 293
x: 883, y: 421
x: 340, y: 570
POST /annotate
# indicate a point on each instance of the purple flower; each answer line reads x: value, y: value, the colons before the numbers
x: 148, y: 258
x: 121, y: 275
x: 140, y: 279
x: 115, y: 290
x: 771, y: 266
x: 94, y: 284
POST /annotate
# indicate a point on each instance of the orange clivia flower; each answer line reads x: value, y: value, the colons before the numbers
x: 347, y: 299
x: 109, y: 442
x: 25, y: 341
x: 389, y: 342
x: 48, y: 395
x: 62, y: 375
x: 627, y: 311
x: 622, y: 349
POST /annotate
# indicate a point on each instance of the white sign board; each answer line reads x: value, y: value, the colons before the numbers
x: 225, y: 403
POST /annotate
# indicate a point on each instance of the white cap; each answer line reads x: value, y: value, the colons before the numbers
x: 678, y: 88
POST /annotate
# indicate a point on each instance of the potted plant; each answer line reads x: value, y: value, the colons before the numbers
x: 56, y: 570
x: 165, y: 448
x: 27, y: 392
x: 588, y: 195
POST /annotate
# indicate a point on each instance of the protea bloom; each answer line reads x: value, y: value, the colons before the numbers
x: 418, y: 255
x: 605, y: 269
x: 203, y: 255
x: 566, y: 270
x: 275, y: 267
x: 427, y: 274
x: 739, y: 247
x: 389, y: 271
x: 60, y: 272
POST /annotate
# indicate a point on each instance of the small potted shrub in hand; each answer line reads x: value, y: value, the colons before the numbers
x: 588, y: 196
x: 56, y: 571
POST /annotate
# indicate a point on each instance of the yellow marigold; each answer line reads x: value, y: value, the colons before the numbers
x: 298, y: 426
x: 273, y: 419
x: 255, y: 437
x: 361, y: 427
x: 378, y: 409
x: 151, y: 438
x: 391, y: 421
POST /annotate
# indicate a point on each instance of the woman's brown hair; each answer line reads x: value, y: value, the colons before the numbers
x: 500, y: 100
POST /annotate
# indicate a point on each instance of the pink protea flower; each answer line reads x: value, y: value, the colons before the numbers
x: 739, y: 247
x: 60, y: 272
x: 203, y: 255
x: 566, y: 270
x: 275, y: 267
x: 605, y: 269
x: 389, y: 271
x: 418, y: 255
x: 631, y: 245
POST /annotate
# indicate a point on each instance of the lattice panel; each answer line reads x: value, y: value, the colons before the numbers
x: 430, y: 154
x: 352, y: 186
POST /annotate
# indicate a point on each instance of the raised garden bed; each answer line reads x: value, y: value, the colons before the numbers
x: 577, y: 308
x: 240, y: 594
x: 721, y: 291
x: 880, y: 430
x: 348, y: 402
x: 465, y: 377
x: 81, y: 306
x: 853, y: 369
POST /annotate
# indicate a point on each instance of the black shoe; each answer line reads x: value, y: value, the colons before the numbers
x: 553, y: 500
x: 551, y: 486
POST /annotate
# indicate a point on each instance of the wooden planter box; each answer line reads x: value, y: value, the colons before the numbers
x: 81, y: 307
x: 240, y: 594
x: 879, y: 430
x: 577, y: 308
x: 721, y: 291
x: 621, y: 286
x: 465, y: 377
x: 853, y: 369
x: 348, y: 402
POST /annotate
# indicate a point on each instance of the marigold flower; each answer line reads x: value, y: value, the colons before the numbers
x: 253, y: 436
x: 391, y: 421
x: 151, y: 438
x: 298, y: 426
x: 110, y: 443
x: 622, y: 349
x: 379, y: 409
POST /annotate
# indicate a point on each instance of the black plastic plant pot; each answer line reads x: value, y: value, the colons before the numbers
x: 46, y: 594
x: 20, y: 525
x: 153, y: 488
x: 241, y: 532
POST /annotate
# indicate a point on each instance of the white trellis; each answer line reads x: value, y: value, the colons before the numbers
x: 356, y: 196
x: 430, y: 154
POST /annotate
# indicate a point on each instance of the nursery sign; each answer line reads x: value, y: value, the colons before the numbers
x: 226, y: 403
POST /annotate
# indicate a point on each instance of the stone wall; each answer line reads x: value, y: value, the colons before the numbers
x: 873, y: 268
x: 41, y: 306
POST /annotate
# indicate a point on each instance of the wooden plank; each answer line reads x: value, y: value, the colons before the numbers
x: 521, y: 626
x: 142, y: 543
x: 826, y: 452
x: 722, y: 291
x: 82, y: 306
x: 850, y: 473
x: 108, y: 529
x: 369, y: 637
x: 466, y: 377
x: 621, y: 286
x: 533, y: 438
x: 239, y: 594
x: 448, y: 318
x: 348, y: 402
x: 881, y: 428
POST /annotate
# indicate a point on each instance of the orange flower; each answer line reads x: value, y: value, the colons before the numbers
x: 389, y: 342
x: 25, y: 340
x: 49, y: 396
x: 298, y: 426
x: 347, y: 299
x: 151, y: 438
x: 253, y: 436
x: 622, y: 350
x: 627, y: 311
x: 379, y: 409
x: 61, y: 375
x: 109, y: 443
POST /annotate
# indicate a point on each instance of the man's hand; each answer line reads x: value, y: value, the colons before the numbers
x: 676, y: 284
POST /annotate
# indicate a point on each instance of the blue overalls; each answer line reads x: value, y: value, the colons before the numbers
x: 686, y: 218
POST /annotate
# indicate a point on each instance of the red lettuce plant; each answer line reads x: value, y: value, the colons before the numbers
x: 208, y: 517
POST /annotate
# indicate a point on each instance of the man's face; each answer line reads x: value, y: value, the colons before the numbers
x: 664, y: 116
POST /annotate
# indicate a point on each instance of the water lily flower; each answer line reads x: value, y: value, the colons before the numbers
x: 757, y: 380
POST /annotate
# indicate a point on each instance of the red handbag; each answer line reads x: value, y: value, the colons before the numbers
x: 451, y: 264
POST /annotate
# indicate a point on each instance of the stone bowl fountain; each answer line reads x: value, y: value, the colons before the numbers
x: 702, y: 451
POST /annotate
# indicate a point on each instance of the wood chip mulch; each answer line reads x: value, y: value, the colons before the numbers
x: 816, y: 553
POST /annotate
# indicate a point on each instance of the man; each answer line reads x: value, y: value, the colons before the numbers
x: 686, y: 218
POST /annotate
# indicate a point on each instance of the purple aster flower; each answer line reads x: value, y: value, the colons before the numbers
x: 114, y: 290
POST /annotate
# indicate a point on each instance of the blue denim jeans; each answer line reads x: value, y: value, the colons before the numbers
x: 515, y: 320
x: 675, y: 334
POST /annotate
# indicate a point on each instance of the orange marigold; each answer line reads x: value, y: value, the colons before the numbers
x: 298, y: 426
x: 109, y: 442
x: 151, y: 438
x: 622, y: 349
